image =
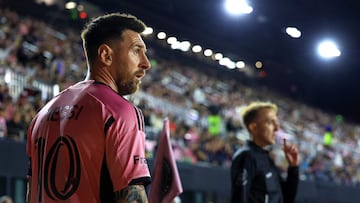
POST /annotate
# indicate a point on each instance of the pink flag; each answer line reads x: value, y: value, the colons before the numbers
x: 166, y: 184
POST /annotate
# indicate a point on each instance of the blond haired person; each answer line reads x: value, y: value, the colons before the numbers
x: 254, y: 176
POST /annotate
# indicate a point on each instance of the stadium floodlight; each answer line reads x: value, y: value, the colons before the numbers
x: 231, y: 65
x: 224, y: 61
x: 161, y: 35
x: 293, y: 32
x: 196, y: 48
x: 185, y: 46
x: 218, y: 56
x: 328, y: 49
x: 176, y: 45
x: 240, y: 64
x: 148, y: 31
x: 70, y: 5
x: 258, y: 64
x: 227, y: 62
x: 171, y: 40
x: 237, y: 7
x: 208, y: 52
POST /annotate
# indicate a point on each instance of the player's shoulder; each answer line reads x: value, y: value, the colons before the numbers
x: 241, y: 152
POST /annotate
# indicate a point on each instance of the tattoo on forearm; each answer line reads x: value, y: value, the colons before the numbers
x: 132, y: 194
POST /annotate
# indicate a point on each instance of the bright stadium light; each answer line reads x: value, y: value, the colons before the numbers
x: 196, y: 48
x: 227, y: 62
x: 148, y: 31
x: 237, y: 7
x: 240, y: 64
x: 185, y: 46
x: 224, y: 61
x: 218, y: 56
x: 176, y: 45
x: 208, y: 52
x: 328, y: 49
x: 258, y: 64
x: 171, y: 40
x: 293, y: 32
x: 70, y: 5
x: 161, y: 35
x: 231, y: 65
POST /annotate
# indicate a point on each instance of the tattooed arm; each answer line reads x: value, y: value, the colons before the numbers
x: 131, y: 194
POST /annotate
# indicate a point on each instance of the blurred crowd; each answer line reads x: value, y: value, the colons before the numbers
x: 203, y: 108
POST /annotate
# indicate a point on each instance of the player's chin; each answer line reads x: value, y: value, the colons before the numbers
x: 135, y: 88
x: 129, y: 89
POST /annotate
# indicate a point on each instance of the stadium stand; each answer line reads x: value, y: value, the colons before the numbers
x: 37, y: 59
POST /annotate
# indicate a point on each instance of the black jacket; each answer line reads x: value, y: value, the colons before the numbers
x: 255, y: 178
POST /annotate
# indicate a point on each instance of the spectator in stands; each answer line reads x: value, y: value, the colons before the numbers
x: 16, y: 127
x: 3, y: 126
x: 95, y: 133
x: 254, y: 176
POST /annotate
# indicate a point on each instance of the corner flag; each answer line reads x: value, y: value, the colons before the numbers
x: 166, y: 184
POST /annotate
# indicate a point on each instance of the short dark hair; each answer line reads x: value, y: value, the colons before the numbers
x: 249, y: 113
x: 107, y: 27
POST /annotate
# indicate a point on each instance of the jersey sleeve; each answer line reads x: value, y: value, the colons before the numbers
x: 290, y: 186
x: 242, y: 173
x: 125, y: 155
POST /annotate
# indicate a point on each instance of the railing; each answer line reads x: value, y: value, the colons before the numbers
x: 17, y: 82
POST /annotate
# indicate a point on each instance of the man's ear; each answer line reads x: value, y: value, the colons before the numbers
x: 105, y: 54
x: 252, y: 126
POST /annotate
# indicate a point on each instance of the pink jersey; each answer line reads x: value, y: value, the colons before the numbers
x: 85, y: 144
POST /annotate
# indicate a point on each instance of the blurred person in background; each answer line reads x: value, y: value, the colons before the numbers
x: 88, y: 143
x: 6, y: 199
x: 3, y: 126
x: 16, y: 127
x: 254, y: 176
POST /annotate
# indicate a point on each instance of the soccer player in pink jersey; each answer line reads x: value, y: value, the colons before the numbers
x: 87, y: 144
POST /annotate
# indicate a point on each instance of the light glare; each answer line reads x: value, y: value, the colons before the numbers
x: 293, y: 32
x: 258, y: 64
x: 171, y: 40
x: 240, y: 64
x: 208, y: 52
x: 70, y: 5
x: 328, y: 49
x: 185, y: 46
x: 218, y: 56
x: 176, y: 45
x: 148, y: 31
x: 196, y: 48
x: 161, y: 35
x: 237, y: 7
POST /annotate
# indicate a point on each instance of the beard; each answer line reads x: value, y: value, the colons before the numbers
x: 128, y: 87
